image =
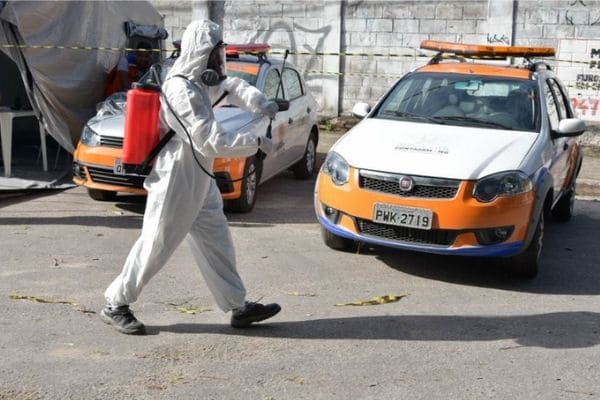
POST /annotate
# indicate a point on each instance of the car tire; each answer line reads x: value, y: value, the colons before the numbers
x: 305, y: 168
x: 245, y: 203
x: 526, y: 264
x: 102, y: 195
x: 563, y: 210
x: 337, y: 242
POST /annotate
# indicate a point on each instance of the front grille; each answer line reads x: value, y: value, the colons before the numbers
x: 78, y: 170
x: 110, y: 141
x: 106, y: 175
x: 424, y: 187
x: 438, y: 237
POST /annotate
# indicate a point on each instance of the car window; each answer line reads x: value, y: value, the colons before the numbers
x: 553, y: 114
x: 560, y: 99
x: 466, y: 100
x: 272, y: 84
x: 292, y: 84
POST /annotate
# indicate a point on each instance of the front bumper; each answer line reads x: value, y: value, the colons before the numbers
x: 103, y: 178
x: 93, y: 167
x: 457, y: 221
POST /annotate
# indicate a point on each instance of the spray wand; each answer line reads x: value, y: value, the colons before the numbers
x: 287, y: 52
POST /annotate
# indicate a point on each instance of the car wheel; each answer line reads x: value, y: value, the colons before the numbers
x: 526, y: 264
x: 563, y: 211
x: 305, y: 168
x: 102, y: 195
x: 337, y: 242
x: 245, y: 202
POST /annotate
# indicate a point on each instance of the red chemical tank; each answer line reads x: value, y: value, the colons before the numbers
x: 141, y: 124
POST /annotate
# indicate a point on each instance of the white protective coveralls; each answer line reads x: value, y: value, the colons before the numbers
x: 182, y: 199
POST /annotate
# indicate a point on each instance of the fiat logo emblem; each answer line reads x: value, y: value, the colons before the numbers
x: 406, y: 183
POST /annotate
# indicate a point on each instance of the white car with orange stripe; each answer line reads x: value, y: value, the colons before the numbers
x: 460, y: 158
x: 295, y: 134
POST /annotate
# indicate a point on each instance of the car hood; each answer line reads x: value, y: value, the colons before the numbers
x: 230, y: 118
x: 447, y: 151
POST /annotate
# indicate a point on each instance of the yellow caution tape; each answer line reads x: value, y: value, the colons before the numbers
x: 587, y: 86
x: 87, y: 48
x: 390, y: 298
x: 275, y: 52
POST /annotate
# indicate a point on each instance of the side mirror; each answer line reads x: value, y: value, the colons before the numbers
x: 361, y: 110
x: 284, y: 105
x: 570, y: 127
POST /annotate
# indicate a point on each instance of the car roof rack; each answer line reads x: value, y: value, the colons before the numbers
x: 462, y: 51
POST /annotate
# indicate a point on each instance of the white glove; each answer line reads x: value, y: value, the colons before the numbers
x: 265, y: 144
x: 271, y: 109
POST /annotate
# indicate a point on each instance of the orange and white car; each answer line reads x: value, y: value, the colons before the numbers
x: 458, y: 157
x: 294, y: 134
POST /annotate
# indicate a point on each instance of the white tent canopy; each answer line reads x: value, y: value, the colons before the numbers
x: 65, y: 84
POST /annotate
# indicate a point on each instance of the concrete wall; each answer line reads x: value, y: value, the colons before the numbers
x: 573, y: 28
x: 398, y: 27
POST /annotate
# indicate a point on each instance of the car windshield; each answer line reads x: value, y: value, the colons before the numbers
x: 465, y: 100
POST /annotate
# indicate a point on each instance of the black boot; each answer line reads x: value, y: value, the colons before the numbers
x: 123, y: 320
x: 253, y: 312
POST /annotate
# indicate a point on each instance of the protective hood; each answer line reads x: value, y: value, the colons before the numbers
x: 199, y: 39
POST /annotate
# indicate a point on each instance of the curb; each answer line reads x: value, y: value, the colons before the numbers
x: 590, y: 188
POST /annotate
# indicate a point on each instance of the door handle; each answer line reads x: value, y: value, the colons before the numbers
x: 290, y: 121
x: 565, y: 146
x: 308, y: 110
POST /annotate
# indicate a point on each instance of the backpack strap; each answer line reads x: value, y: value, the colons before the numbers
x: 144, y: 167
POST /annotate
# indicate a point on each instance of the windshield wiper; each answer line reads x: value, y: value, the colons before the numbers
x: 475, y: 120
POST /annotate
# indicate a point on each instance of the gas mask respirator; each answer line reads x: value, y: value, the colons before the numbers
x: 215, y: 71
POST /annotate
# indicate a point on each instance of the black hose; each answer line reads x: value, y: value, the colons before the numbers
x: 194, y: 150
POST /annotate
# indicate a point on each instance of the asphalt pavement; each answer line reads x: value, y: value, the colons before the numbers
x: 461, y: 328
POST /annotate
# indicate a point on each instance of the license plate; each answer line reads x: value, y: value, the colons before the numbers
x: 118, y: 168
x: 419, y: 218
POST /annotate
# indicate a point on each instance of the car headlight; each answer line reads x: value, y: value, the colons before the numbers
x: 337, y: 168
x: 89, y: 137
x: 502, y: 184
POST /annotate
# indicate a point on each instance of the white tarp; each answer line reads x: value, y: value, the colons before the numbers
x: 64, y: 85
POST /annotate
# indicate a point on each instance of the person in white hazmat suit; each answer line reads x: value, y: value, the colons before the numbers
x: 183, y: 199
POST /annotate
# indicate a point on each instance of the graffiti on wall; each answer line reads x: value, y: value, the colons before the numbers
x: 587, y: 105
x: 574, y: 6
x: 582, y: 76
x: 285, y: 35
x: 499, y: 22
x: 498, y: 39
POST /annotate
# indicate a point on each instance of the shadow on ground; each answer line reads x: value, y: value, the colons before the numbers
x: 561, y: 330
x: 569, y: 263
